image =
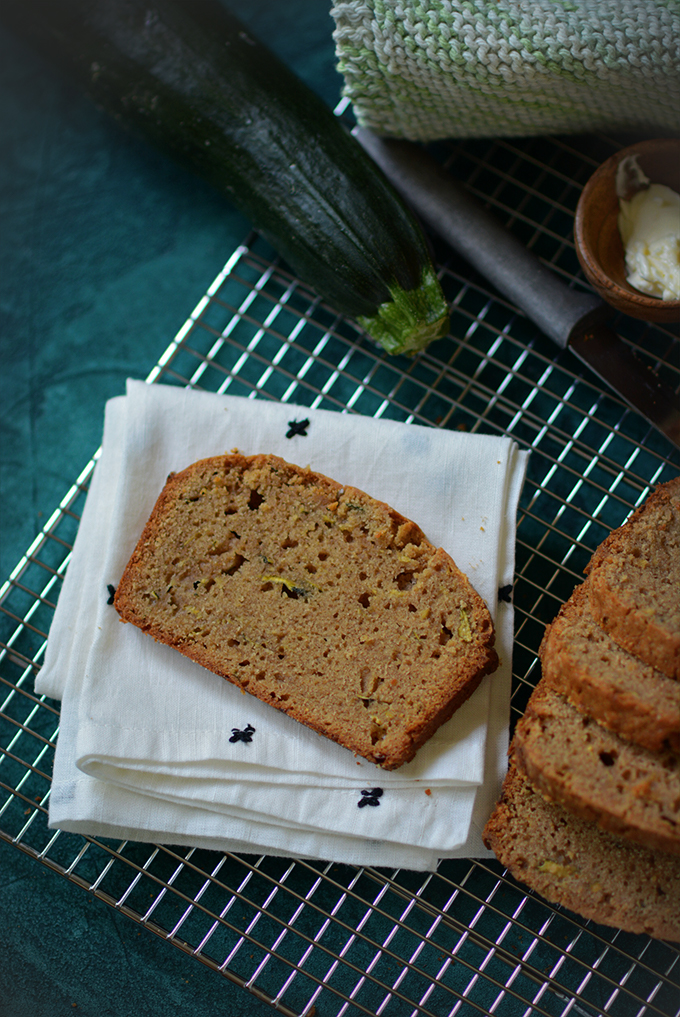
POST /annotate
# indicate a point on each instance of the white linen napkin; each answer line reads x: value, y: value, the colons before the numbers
x: 152, y: 745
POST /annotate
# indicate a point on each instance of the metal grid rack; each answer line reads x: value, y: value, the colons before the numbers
x: 325, y: 939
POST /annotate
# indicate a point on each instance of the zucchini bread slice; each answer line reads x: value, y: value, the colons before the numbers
x: 582, y: 662
x: 316, y: 598
x: 572, y: 862
x: 624, y: 788
x: 634, y: 587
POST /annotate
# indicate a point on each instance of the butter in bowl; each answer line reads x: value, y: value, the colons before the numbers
x: 627, y: 230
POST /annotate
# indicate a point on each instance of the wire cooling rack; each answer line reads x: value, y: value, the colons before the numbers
x: 325, y: 939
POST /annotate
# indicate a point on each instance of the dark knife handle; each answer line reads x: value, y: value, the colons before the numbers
x: 460, y: 219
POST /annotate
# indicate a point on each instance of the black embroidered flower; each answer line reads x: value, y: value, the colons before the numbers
x: 297, y: 427
x: 242, y: 736
x: 112, y: 593
x: 371, y: 796
x: 505, y: 593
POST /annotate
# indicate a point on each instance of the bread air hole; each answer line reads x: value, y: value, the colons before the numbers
x: 405, y: 580
x: 369, y: 682
x: 364, y: 600
x: 377, y: 733
x: 221, y: 546
x: 255, y: 500
x: 608, y: 758
x: 205, y: 583
x: 444, y: 635
x: 239, y: 560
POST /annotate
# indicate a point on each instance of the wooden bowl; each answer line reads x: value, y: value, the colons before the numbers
x: 596, y: 232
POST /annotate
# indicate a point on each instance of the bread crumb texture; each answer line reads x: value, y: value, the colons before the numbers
x: 318, y: 599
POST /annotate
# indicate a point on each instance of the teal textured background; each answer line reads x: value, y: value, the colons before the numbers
x: 105, y: 248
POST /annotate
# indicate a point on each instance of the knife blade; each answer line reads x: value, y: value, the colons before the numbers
x: 572, y: 319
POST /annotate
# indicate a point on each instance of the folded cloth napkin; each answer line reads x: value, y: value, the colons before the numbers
x: 154, y: 747
x: 427, y: 69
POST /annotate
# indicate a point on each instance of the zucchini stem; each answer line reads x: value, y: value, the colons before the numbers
x: 412, y: 318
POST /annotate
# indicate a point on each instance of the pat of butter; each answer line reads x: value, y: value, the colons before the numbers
x: 650, y: 229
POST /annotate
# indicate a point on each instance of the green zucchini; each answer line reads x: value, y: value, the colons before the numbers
x: 191, y: 79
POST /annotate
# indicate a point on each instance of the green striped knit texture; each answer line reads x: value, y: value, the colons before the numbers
x: 427, y: 69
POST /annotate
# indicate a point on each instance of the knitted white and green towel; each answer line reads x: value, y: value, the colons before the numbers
x: 427, y: 69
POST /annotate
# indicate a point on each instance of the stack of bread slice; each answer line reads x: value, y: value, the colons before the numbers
x: 589, y: 816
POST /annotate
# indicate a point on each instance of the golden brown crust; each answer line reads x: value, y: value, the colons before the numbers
x: 624, y: 788
x: 571, y: 862
x: 634, y: 586
x: 317, y: 599
x: 582, y: 662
